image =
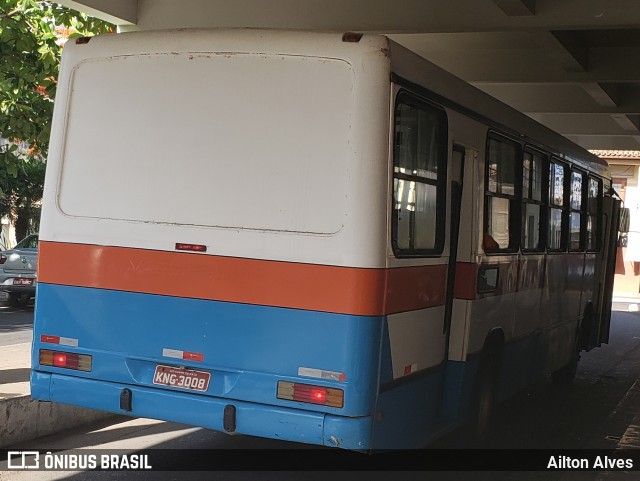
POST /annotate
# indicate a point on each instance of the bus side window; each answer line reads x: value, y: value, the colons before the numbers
x: 577, y: 211
x: 419, y: 175
x: 501, y: 192
x: 594, y: 203
x: 532, y: 201
x: 557, y: 232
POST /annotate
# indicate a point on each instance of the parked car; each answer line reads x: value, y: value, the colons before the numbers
x: 18, y: 271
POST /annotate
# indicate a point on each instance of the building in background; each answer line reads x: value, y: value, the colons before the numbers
x: 7, y: 234
x: 625, y: 167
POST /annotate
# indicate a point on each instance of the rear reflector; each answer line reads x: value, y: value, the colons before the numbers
x: 306, y: 393
x: 66, y: 360
x: 63, y: 341
x: 186, y: 355
x: 191, y: 247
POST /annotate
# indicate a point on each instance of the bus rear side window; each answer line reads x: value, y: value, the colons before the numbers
x: 419, y: 171
x: 594, y: 200
x: 501, y: 188
x: 532, y: 201
x: 557, y: 233
x: 576, y: 216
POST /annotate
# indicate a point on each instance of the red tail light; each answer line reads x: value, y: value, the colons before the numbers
x: 67, y: 360
x: 307, y: 393
x: 3, y: 258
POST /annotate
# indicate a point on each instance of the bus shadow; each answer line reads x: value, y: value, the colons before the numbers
x: 9, y: 376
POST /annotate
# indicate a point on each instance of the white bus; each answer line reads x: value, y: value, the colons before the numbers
x: 314, y: 237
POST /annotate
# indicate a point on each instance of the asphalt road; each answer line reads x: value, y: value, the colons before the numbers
x: 16, y: 325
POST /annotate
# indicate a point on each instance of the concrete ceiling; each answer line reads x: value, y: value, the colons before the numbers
x: 573, y: 65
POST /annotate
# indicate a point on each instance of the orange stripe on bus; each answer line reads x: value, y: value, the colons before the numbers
x: 345, y: 290
x: 465, y: 282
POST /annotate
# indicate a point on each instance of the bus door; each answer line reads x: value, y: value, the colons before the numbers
x: 455, y: 201
x: 447, y: 407
x: 410, y: 403
x: 605, y: 272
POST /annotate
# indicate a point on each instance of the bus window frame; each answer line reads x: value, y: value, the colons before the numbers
x: 598, y: 213
x: 582, y: 211
x: 566, y: 198
x: 411, y: 98
x: 542, y: 228
x: 515, y: 200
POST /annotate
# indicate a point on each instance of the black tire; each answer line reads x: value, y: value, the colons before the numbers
x: 18, y: 300
x: 483, y: 399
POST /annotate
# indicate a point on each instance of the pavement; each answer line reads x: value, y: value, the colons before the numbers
x: 626, y: 302
x: 22, y: 418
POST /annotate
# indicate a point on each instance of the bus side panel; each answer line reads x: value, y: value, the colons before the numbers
x: 561, y: 306
x: 407, y: 411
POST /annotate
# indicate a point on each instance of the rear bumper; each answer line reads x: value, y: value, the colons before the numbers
x: 19, y: 289
x: 198, y: 410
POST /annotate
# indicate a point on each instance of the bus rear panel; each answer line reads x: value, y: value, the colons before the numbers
x: 200, y: 258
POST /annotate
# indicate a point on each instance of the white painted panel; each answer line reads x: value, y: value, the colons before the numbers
x: 416, y: 339
x: 235, y: 140
x: 360, y: 240
x: 459, y: 336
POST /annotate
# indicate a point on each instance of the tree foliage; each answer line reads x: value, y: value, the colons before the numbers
x: 23, y: 192
x: 32, y: 35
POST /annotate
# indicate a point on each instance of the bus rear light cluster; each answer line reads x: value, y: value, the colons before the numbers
x: 306, y: 393
x: 66, y: 360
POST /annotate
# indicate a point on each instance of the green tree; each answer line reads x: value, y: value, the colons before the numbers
x: 23, y: 193
x: 32, y: 35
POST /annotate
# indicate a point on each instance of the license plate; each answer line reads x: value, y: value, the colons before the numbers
x: 22, y: 281
x: 182, y: 378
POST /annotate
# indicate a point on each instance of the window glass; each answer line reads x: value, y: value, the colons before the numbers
x: 593, y: 200
x: 593, y: 195
x: 594, y: 188
x: 576, y: 191
x: 30, y: 242
x: 502, y: 183
x: 498, y: 225
x: 536, y: 178
x: 592, y: 224
x: 531, y: 226
x: 425, y: 228
x: 502, y: 165
x: 404, y: 206
x: 419, y: 171
x: 556, y: 184
x: 574, y: 231
x: 555, y: 229
x: 417, y: 141
x: 532, y: 176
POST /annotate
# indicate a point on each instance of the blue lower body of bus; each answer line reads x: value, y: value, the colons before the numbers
x: 247, y: 349
x: 253, y: 419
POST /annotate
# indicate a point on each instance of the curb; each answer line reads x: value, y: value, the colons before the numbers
x: 25, y: 419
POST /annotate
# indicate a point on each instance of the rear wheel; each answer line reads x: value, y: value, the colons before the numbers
x: 483, y: 400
